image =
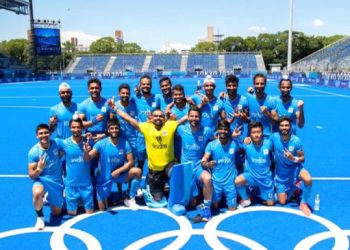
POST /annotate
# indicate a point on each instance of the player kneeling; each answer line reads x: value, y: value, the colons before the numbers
x: 220, y: 157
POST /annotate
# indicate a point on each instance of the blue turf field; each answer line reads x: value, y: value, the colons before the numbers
x: 325, y: 138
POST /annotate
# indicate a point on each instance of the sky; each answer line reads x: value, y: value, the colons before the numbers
x: 154, y: 24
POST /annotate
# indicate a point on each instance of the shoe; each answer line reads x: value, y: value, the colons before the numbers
x: 139, y: 193
x: 131, y: 203
x: 244, y: 203
x: 206, y: 214
x: 40, y: 223
x: 304, y: 207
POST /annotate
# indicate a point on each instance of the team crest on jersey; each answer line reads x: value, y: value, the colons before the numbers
x: 239, y: 107
x: 103, y: 109
x: 121, y: 151
x: 132, y: 112
x: 55, y: 152
x: 165, y: 133
x: 291, y: 148
x: 266, y: 151
x: 154, y: 104
x: 200, y: 138
x: 290, y: 110
x: 216, y: 108
x: 232, y: 151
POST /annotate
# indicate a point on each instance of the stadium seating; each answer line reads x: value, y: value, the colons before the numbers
x: 334, y: 57
x: 205, y: 62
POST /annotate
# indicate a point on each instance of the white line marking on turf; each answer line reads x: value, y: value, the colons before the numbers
x: 325, y: 92
x: 14, y: 176
x: 26, y: 107
x: 319, y: 127
x: 28, y: 97
x: 313, y: 178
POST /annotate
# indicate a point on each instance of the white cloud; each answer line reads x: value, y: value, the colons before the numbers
x: 257, y: 29
x: 176, y: 46
x: 83, y: 38
x: 317, y: 23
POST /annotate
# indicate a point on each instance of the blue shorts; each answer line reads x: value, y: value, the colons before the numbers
x: 228, y: 190
x: 104, y: 190
x: 74, y: 193
x: 196, y: 178
x: 54, y: 188
x: 265, y: 186
x: 141, y: 148
x: 284, y: 184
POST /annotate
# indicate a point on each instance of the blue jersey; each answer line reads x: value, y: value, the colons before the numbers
x: 163, y: 101
x: 64, y: 115
x: 78, y: 170
x: 284, y: 167
x: 111, y: 157
x: 127, y: 130
x: 224, y: 171
x: 52, y: 168
x: 145, y: 107
x: 255, y: 113
x: 180, y: 112
x: 239, y: 104
x: 287, y: 109
x: 193, y: 144
x: 258, y: 160
x: 210, y: 111
x: 91, y: 109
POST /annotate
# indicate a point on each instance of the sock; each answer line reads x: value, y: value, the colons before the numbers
x: 39, y: 213
x: 135, y: 184
x: 207, y: 203
x: 306, y: 193
x: 242, y: 191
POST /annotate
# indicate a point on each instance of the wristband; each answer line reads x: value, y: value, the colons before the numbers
x: 296, y: 159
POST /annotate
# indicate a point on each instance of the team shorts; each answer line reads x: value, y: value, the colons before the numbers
x: 265, y: 186
x: 103, y: 190
x: 73, y: 194
x: 285, y: 183
x: 54, y: 188
x: 229, y: 191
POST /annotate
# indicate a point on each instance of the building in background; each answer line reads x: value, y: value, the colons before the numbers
x: 118, y: 36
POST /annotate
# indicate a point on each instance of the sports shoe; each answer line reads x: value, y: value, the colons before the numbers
x: 304, y: 207
x: 131, y: 203
x: 244, y: 203
x: 40, y: 223
x: 139, y: 193
x: 206, y: 214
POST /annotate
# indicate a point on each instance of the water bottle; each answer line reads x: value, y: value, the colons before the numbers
x: 199, y: 86
x: 317, y: 203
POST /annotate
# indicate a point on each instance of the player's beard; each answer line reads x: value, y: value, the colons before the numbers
x: 124, y: 99
x: 76, y: 134
x: 166, y: 92
x: 114, y: 135
x: 158, y: 123
x: 232, y: 92
x: 194, y: 123
x: 259, y: 91
x: 66, y: 100
x: 146, y: 90
x: 223, y: 136
x: 285, y: 93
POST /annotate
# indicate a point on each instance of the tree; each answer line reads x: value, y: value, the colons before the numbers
x: 131, y: 48
x: 68, y: 52
x: 204, y: 47
x: 16, y: 48
x: 104, y: 45
x: 231, y: 44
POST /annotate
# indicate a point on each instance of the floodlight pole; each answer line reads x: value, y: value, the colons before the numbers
x: 31, y: 20
x: 290, y: 36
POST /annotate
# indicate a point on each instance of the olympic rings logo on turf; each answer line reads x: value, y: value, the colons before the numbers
x: 185, y: 232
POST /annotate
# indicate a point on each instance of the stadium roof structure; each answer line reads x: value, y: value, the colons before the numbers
x: 17, y: 6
